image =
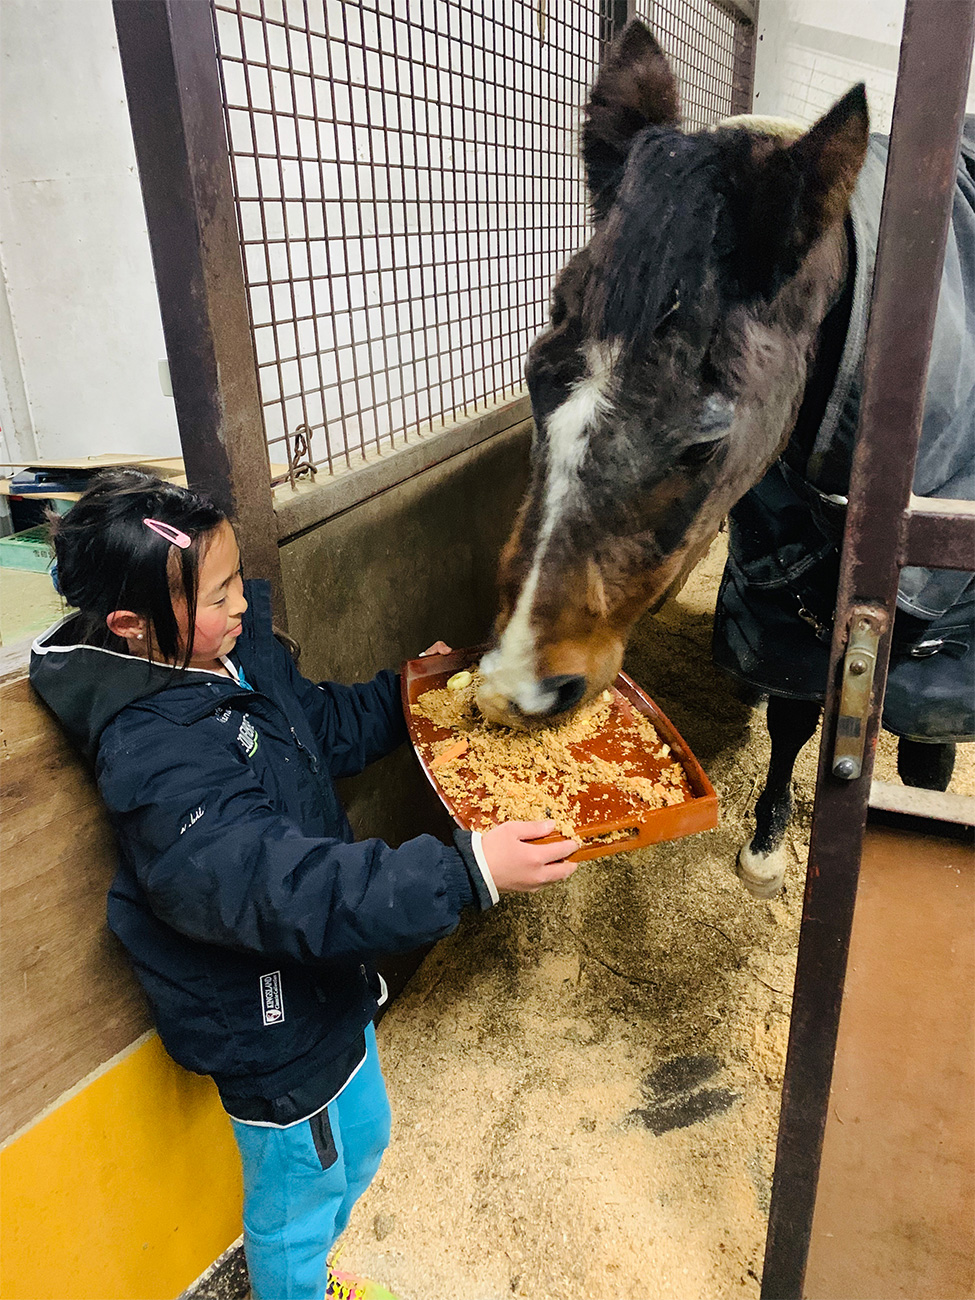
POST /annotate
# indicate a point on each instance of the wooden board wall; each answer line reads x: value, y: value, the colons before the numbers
x: 70, y: 1002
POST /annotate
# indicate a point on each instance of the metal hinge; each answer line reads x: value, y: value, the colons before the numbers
x: 867, y: 626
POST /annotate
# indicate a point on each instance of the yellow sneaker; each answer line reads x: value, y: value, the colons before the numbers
x: 343, y: 1286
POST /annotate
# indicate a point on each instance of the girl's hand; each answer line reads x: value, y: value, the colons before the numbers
x: 522, y: 867
x: 438, y: 648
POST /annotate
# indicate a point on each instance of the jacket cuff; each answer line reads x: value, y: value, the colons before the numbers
x: 469, y: 846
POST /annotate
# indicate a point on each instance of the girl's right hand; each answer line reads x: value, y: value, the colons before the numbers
x: 520, y: 866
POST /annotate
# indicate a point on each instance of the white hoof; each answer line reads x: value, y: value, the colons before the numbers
x: 762, y: 874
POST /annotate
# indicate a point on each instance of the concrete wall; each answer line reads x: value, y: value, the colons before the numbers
x: 382, y: 581
x: 810, y: 52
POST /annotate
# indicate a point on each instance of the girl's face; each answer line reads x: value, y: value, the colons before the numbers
x: 220, y: 603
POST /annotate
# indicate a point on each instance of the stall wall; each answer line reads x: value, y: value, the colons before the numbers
x: 80, y: 333
x: 810, y: 52
x: 119, y: 1171
x: 377, y: 584
x: 129, y: 1187
x: 119, y: 1174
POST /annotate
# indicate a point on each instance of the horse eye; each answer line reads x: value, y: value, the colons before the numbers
x: 699, y: 453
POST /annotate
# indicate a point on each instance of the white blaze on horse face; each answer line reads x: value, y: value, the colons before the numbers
x: 509, y: 671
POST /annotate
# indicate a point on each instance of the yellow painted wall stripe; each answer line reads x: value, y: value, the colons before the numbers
x: 127, y: 1191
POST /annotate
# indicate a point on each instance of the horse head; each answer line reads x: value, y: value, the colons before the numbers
x: 672, y: 370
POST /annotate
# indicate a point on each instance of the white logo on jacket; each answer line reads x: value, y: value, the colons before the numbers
x: 193, y: 818
x: 247, y: 737
x: 272, y: 1000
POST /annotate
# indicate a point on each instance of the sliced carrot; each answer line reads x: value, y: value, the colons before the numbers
x: 449, y: 754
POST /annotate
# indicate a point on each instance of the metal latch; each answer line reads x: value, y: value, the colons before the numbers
x: 867, y: 625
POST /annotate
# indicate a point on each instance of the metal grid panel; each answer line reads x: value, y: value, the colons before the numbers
x: 699, y: 39
x: 407, y: 186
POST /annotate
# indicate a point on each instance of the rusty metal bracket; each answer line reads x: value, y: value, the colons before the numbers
x: 867, y: 625
x: 300, y: 463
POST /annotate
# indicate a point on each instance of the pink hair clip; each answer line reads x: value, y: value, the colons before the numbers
x: 171, y: 534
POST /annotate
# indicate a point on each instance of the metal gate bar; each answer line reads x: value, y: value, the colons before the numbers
x: 169, y: 67
x: 932, y: 83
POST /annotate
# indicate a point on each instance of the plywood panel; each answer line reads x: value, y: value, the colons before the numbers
x: 70, y: 1002
x: 895, y: 1209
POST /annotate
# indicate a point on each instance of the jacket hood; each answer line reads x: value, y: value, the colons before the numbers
x: 85, y: 686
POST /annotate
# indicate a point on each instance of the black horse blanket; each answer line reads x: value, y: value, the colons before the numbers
x: 773, y: 622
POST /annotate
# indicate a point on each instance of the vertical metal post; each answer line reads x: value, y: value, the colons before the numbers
x: 169, y: 64
x: 931, y: 87
x: 613, y: 17
x: 743, y: 75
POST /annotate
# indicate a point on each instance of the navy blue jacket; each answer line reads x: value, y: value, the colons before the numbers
x: 249, y: 913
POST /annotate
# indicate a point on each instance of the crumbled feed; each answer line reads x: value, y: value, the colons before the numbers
x: 605, y: 763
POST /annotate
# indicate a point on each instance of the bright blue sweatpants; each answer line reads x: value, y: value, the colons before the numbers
x: 301, y: 1182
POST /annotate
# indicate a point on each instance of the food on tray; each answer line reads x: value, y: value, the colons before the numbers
x: 450, y: 753
x: 606, y: 751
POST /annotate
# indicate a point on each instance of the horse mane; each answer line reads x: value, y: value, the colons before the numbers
x: 662, y: 252
x: 786, y: 129
x: 673, y: 183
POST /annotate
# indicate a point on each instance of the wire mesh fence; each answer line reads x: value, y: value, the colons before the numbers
x: 407, y: 186
x: 712, y: 53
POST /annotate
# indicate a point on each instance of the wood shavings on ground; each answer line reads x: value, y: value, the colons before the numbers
x: 585, y: 1082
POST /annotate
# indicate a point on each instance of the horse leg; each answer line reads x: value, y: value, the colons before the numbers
x: 761, y: 864
x: 925, y: 765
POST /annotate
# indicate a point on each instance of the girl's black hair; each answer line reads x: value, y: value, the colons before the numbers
x: 108, y: 559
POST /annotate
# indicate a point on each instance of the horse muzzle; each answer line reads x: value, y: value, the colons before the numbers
x: 547, y: 700
x: 523, y: 700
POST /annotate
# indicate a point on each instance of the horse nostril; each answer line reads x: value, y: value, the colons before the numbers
x: 567, y: 690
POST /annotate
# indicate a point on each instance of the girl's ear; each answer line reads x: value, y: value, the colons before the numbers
x: 125, y: 624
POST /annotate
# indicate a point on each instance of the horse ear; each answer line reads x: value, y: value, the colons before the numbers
x: 829, y: 158
x: 803, y: 189
x: 635, y: 88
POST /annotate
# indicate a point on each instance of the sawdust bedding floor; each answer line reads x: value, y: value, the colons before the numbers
x: 585, y: 1082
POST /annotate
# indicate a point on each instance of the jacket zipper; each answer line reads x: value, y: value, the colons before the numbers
x: 306, y: 753
x: 309, y: 757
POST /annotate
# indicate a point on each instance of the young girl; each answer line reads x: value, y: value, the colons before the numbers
x: 250, y: 914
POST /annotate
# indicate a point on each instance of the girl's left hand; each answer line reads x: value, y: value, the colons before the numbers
x: 438, y: 648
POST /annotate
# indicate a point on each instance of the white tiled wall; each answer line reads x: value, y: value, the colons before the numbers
x: 810, y: 52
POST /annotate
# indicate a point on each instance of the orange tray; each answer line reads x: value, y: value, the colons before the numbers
x: 698, y: 812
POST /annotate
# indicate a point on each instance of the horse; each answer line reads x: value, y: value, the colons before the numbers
x: 688, y: 368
